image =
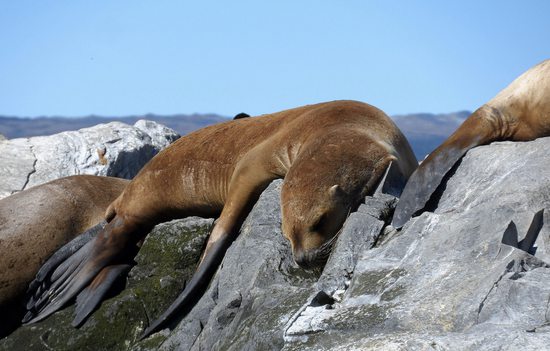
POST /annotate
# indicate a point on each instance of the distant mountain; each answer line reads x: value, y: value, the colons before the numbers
x: 425, y: 131
x: 17, y: 127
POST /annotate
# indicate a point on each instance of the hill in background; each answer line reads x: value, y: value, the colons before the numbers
x: 425, y: 131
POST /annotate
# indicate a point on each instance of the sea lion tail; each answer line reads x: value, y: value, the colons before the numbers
x: 196, y: 286
x: 482, y: 127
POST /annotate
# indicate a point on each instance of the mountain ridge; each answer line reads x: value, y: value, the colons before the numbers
x: 425, y: 131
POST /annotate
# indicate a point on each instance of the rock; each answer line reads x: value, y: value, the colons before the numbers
x: 113, y: 149
x: 168, y: 258
x: 472, y: 274
x: 447, y: 281
x: 253, y: 294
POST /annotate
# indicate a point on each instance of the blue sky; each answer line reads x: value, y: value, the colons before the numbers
x: 77, y: 58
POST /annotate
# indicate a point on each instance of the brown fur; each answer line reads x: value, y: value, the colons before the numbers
x: 223, y: 167
x: 330, y: 155
x: 34, y: 223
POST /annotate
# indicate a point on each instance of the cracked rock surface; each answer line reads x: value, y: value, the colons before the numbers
x: 113, y: 149
x: 472, y: 274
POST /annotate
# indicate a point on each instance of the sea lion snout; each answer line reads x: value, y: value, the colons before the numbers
x: 302, y: 258
x: 310, y: 259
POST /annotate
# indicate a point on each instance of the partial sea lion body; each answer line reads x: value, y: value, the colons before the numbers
x: 330, y: 155
x: 36, y: 222
x: 520, y: 112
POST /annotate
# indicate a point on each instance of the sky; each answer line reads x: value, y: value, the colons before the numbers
x: 118, y: 58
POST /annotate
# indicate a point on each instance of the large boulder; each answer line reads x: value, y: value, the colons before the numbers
x: 468, y: 276
x: 113, y: 149
x: 472, y: 274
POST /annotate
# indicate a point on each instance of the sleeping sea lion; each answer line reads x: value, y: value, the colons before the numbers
x: 35, y: 222
x: 330, y: 155
x: 520, y: 112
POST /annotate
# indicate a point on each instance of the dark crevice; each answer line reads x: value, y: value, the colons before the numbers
x: 433, y: 203
x: 31, y: 148
x: 509, y: 268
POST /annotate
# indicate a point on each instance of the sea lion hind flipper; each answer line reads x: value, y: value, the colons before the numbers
x: 424, y: 181
x: 72, y: 275
x: 196, y: 287
x: 90, y: 298
x: 61, y: 255
x: 65, y: 282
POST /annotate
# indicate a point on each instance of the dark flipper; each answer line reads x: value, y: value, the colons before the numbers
x: 486, y: 124
x: 424, y: 181
x: 61, y: 255
x: 93, y: 294
x: 98, y: 261
x: 196, y: 286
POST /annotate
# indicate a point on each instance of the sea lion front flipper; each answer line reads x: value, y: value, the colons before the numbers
x: 249, y: 179
x: 423, y: 183
x: 195, y: 287
x: 486, y: 124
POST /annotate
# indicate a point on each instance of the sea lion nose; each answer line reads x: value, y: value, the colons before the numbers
x: 302, y: 259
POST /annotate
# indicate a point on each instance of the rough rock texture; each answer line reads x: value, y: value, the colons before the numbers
x: 114, y: 149
x: 168, y: 258
x: 447, y: 281
x: 463, y: 277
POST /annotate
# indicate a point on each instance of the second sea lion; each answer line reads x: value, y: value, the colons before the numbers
x: 520, y: 112
x: 35, y: 222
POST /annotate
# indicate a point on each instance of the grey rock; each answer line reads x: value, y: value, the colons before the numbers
x: 168, y: 258
x: 253, y: 294
x: 446, y: 281
x: 112, y: 149
x: 473, y: 274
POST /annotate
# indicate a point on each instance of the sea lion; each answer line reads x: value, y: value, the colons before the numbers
x: 520, y: 112
x: 36, y: 222
x: 330, y: 155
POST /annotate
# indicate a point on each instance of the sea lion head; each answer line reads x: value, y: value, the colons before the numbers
x: 311, y: 222
x: 318, y: 193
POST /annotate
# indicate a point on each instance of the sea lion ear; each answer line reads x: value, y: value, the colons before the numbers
x: 337, y: 193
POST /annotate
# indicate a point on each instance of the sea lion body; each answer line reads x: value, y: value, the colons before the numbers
x: 236, y: 160
x: 520, y: 112
x: 34, y: 223
x: 330, y: 155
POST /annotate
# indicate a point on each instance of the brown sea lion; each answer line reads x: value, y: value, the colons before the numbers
x: 520, y: 112
x: 330, y: 155
x: 36, y: 222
